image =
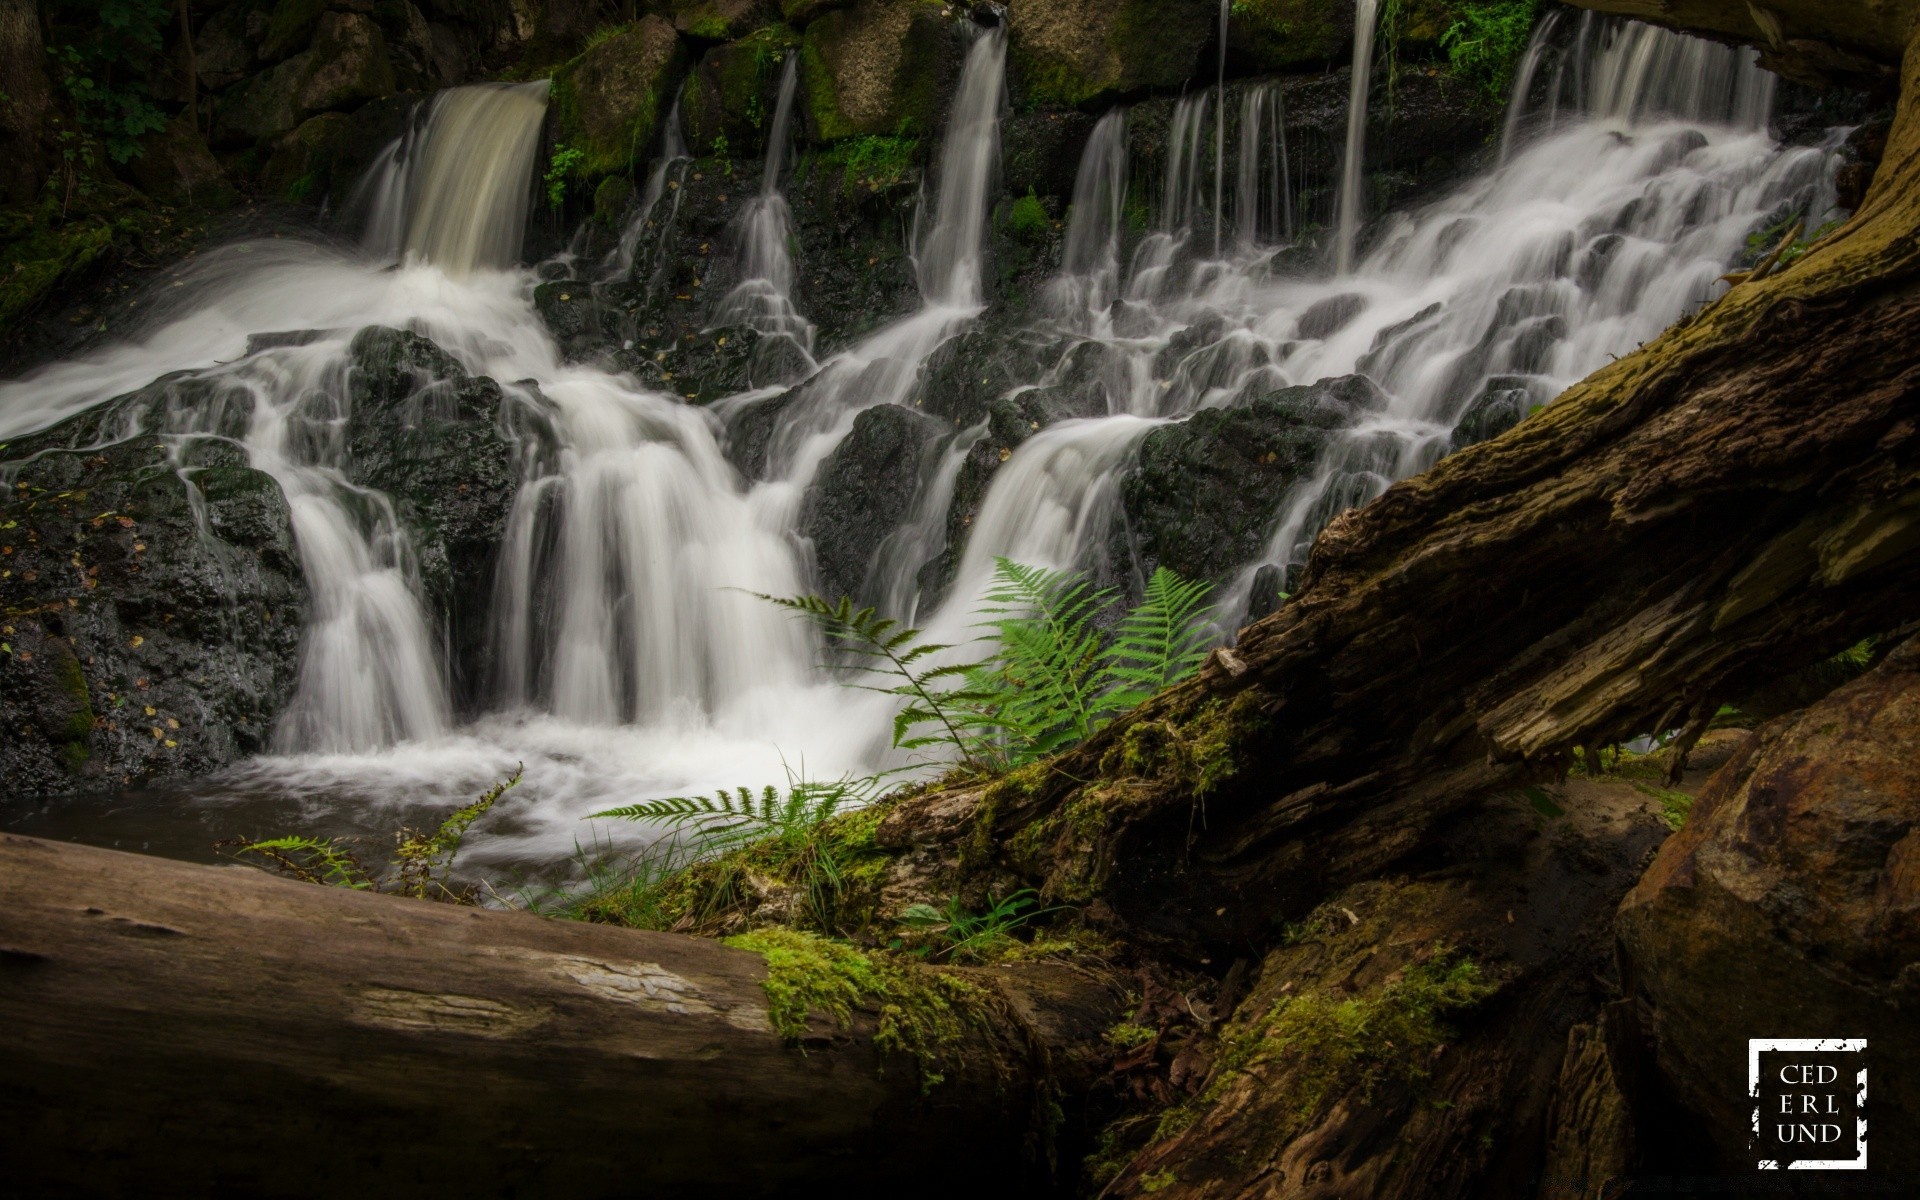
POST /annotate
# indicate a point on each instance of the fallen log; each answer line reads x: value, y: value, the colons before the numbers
x: 168, y: 1029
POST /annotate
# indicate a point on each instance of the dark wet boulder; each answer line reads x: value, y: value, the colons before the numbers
x: 446, y: 449
x: 1503, y: 402
x: 1788, y: 906
x: 151, y: 600
x: 1203, y: 494
x: 865, y: 491
x: 880, y: 68
x: 1069, y: 52
x: 1330, y: 316
x: 608, y: 103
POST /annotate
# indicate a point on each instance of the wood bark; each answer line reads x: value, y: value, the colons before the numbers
x: 1734, y: 502
x: 168, y: 1029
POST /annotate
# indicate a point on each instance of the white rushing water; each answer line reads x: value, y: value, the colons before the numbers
x: 630, y: 659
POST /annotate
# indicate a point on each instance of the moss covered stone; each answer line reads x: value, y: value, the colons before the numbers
x: 729, y: 104
x: 722, y: 20
x: 1071, y: 52
x: 883, y: 67
x: 608, y: 102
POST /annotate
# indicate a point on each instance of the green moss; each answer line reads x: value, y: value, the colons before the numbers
x: 1029, y: 218
x: 1316, y: 1045
x: 872, y: 163
x: 610, y: 199
x: 76, y: 733
x: 830, y: 123
x: 1158, y: 1181
x: 920, y: 1011
x: 1126, y: 1036
x: 607, y: 101
x: 49, y: 254
x: 1674, y: 805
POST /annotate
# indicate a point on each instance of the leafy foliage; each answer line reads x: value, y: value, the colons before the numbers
x: 1485, y: 44
x: 421, y: 862
x: 956, y: 933
x: 1052, y: 676
x: 715, y: 824
x: 102, y: 51
x: 1028, y: 218
x: 565, y: 159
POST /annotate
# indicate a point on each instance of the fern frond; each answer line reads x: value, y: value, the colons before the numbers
x: 1157, y: 644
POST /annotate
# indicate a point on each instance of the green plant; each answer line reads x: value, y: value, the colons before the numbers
x: 565, y: 159
x: 956, y: 933
x: 1051, y: 678
x: 1486, y: 41
x: 103, y: 52
x: 791, y: 833
x: 721, y: 149
x: 421, y: 861
x: 1029, y: 217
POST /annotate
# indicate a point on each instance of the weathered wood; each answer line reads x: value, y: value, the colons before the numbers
x: 173, y: 1029
x: 1735, y: 501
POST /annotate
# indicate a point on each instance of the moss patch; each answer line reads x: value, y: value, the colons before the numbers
x: 607, y: 103
x: 921, y: 1011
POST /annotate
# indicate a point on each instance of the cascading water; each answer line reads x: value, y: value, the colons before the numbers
x: 663, y: 178
x: 763, y: 299
x: 1353, y: 165
x: 631, y: 661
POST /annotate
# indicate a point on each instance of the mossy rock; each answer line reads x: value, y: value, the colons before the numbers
x: 729, y: 105
x: 290, y: 28
x: 722, y: 20
x: 798, y: 13
x: 1073, y: 52
x: 1280, y: 35
x: 608, y: 102
x: 884, y: 67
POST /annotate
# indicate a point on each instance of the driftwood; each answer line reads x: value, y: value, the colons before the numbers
x: 173, y: 1029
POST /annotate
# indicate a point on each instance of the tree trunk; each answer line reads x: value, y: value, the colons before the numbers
x: 173, y: 1029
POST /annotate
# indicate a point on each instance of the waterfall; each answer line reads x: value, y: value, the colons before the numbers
x: 949, y: 266
x: 669, y: 164
x: 1090, y: 260
x: 1220, y: 130
x: 1353, y: 166
x: 763, y: 299
x: 1263, y: 200
x: 453, y: 192
x: 633, y: 660
x: 1538, y: 47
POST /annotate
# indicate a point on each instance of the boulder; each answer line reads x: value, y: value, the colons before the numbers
x: 722, y: 20
x: 607, y: 103
x: 290, y: 27
x: 1278, y: 35
x: 226, y: 49
x: 864, y: 492
x: 349, y: 64
x: 445, y: 448
x: 880, y: 68
x: 729, y: 104
x: 1203, y: 495
x: 174, y: 166
x: 1071, y: 52
x: 1502, y: 403
x: 1789, y: 907
x: 151, y: 600
x: 264, y: 106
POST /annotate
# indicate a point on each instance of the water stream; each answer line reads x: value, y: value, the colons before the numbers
x: 629, y: 659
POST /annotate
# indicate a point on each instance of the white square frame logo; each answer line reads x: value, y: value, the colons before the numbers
x: 1757, y: 1046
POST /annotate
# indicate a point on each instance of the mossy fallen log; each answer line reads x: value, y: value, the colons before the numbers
x: 168, y: 1029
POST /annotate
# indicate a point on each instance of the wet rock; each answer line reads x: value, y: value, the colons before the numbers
x: 445, y: 448
x: 864, y: 492
x: 151, y: 601
x: 1042, y: 151
x: 1330, y: 316
x: 1203, y: 495
x: 175, y: 167
x: 881, y: 68
x: 1266, y: 593
x: 1070, y: 52
x: 608, y: 102
x: 1278, y: 35
x: 1502, y: 404
x: 729, y: 103
x: 1788, y: 906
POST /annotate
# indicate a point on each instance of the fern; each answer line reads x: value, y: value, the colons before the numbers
x: 1041, y: 687
x: 709, y: 825
x: 1157, y: 644
x: 880, y: 646
x: 311, y: 860
x: 423, y: 860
